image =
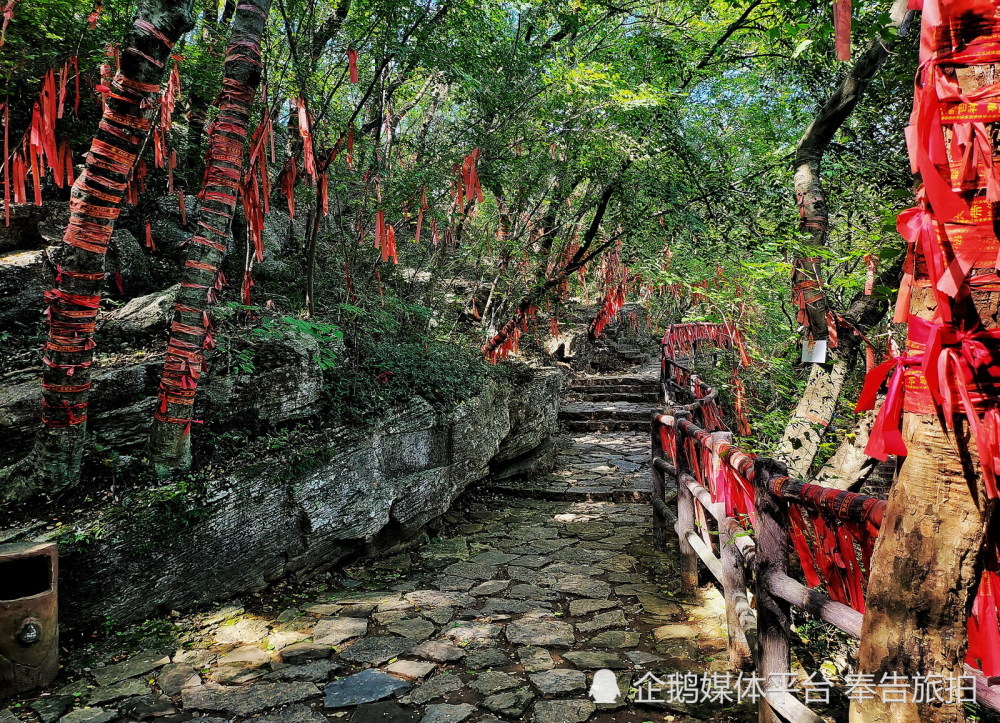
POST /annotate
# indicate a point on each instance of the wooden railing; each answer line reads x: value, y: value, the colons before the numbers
x: 742, y: 535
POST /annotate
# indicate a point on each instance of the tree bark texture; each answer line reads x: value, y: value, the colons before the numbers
x: 809, y: 194
x: 850, y: 465
x: 807, y: 426
x: 95, y: 203
x: 815, y: 410
x: 170, y: 443
x: 927, y: 559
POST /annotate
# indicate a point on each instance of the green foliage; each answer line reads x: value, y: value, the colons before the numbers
x: 386, y: 371
x: 682, y: 116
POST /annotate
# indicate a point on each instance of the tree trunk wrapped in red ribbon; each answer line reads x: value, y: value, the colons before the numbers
x: 929, y: 557
x: 95, y: 203
x: 170, y: 443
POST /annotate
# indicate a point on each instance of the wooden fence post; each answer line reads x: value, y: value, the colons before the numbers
x: 661, y: 393
x: 733, y: 581
x: 657, y: 482
x: 685, y: 512
x: 773, y: 617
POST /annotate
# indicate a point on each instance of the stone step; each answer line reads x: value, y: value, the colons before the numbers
x: 615, y: 388
x: 617, y: 395
x: 569, y: 493
x: 606, y: 411
x: 629, y: 381
x: 604, y: 425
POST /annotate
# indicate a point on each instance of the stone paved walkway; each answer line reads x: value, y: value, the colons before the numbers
x: 603, y: 453
x: 506, y: 617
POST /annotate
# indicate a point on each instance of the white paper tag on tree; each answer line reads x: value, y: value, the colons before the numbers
x: 814, y: 352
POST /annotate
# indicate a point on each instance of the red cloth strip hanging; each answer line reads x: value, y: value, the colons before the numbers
x: 352, y: 64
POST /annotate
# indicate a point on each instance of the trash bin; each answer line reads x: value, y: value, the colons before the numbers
x: 29, y: 625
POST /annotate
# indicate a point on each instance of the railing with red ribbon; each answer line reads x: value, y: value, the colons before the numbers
x: 740, y: 514
x: 686, y: 340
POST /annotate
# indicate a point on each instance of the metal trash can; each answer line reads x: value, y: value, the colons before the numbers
x: 29, y: 623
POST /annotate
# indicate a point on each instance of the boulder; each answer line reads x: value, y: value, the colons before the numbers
x: 278, y: 380
x: 24, y: 277
x: 120, y: 414
x: 127, y: 265
x: 141, y: 319
x: 31, y: 226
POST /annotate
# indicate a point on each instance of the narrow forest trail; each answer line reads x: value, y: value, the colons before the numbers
x: 534, y: 588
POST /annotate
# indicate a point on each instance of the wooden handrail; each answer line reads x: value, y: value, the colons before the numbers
x: 767, y: 631
x: 843, y: 617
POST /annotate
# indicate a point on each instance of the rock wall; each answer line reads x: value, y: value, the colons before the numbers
x: 347, y: 491
x: 286, y: 385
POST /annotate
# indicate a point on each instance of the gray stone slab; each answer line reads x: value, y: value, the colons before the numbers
x: 542, y: 633
x: 137, y: 665
x: 464, y: 631
x: 563, y: 711
x: 248, y: 699
x: 447, y: 713
x: 531, y: 592
x: 89, y: 715
x: 175, y: 677
x: 316, y: 671
x: 413, y: 628
x: 453, y: 582
x: 585, y: 606
x: 297, y: 713
x: 615, y: 639
x: 490, y: 587
x: 376, y: 650
x: 583, y: 586
x: 117, y: 691
x: 439, y: 598
x: 246, y: 630
x: 482, y: 658
x: 535, y: 659
x: 338, y: 630
x: 472, y: 570
x: 439, y: 651
x: 492, y: 557
x: 494, y: 681
x: 52, y: 708
x: 437, y: 687
x: 438, y: 615
x: 144, y: 707
x: 367, y: 686
x: 603, y: 621
x: 558, y: 682
x: 305, y: 652
x: 594, y: 660
x: 384, y: 711
x: 511, y: 703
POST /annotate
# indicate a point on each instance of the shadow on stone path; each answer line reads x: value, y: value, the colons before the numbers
x: 506, y: 618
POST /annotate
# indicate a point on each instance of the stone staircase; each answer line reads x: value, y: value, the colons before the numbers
x: 602, y: 402
x: 603, y: 451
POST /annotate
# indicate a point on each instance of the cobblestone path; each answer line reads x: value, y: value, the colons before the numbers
x: 509, y: 616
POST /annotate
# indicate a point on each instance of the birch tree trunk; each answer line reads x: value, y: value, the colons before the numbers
x: 170, y: 442
x: 850, y: 466
x: 95, y: 203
